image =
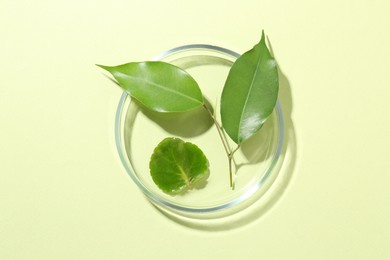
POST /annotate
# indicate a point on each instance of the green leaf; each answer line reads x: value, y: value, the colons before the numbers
x: 159, y: 86
x: 250, y: 93
x: 177, y: 166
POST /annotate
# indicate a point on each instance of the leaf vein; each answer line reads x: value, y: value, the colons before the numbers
x: 159, y: 86
x: 247, y: 98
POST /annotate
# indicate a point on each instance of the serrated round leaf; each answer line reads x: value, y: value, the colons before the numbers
x: 176, y: 166
x: 250, y: 93
x: 158, y: 85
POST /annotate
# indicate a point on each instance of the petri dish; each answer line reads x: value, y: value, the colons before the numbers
x: 138, y: 131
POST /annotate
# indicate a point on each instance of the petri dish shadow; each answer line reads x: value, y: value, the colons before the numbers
x: 273, y: 195
x: 286, y: 163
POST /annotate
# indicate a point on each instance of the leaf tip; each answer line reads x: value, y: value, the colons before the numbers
x: 262, y: 36
x: 103, y: 66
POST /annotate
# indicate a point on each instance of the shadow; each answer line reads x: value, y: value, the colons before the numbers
x: 184, y: 124
x: 256, y: 148
x: 277, y: 187
x: 259, y: 147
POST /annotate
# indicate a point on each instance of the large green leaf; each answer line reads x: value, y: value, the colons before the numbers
x: 159, y: 86
x: 250, y: 93
x: 177, y: 166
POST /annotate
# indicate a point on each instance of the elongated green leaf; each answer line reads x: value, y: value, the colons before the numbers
x: 177, y: 166
x: 250, y: 93
x: 159, y: 86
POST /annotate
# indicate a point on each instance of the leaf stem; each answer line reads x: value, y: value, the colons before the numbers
x: 231, y: 158
x: 228, y: 150
x: 219, y: 129
x: 235, y: 150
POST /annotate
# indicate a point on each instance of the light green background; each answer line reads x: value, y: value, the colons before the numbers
x: 64, y: 193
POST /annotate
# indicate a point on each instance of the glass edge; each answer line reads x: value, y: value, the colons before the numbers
x: 195, y: 46
x: 156, y: 199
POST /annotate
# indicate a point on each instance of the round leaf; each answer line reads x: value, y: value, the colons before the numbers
x: 177, y: 166
x: 159, y: 86
x: 250, y: 93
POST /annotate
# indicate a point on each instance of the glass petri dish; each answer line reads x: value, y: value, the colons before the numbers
x: 138, y: 131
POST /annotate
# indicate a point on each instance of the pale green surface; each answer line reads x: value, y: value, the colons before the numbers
x: 64, y: 194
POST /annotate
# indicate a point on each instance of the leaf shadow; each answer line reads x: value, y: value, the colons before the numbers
x: 184, y: 124
x: 256, y: 148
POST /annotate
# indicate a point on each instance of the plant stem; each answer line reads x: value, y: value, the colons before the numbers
x: 230, y: 156
x: 219, y: 129
x: 228, y: 150
x: 231, y: 173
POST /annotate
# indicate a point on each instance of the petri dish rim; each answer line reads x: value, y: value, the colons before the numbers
x: 166, y: 204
